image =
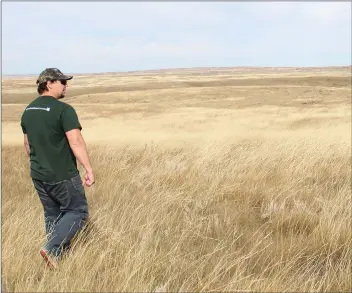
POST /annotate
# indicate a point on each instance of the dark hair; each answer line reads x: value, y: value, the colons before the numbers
x: 42, y: 87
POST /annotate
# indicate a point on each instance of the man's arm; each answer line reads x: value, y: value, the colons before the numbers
x: 26, y: 144
x: 79, y: 149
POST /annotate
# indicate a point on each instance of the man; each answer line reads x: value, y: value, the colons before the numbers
x: 53, y: 142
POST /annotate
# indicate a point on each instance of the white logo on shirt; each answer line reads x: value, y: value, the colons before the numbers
x: 38, y: 108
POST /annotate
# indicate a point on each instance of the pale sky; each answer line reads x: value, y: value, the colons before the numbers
x: 89, y: 37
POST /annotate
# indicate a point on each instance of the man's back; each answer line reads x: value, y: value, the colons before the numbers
x: 45, y: 121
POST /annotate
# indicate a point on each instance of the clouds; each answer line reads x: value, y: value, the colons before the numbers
x: 118, y: 36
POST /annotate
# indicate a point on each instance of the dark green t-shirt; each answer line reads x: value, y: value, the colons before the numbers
x: 45, y: 121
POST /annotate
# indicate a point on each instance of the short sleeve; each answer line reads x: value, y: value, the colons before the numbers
x: 23, y: 128
x: 69, y: 119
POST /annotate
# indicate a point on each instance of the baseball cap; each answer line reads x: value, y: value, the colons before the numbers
x: 52, y: 74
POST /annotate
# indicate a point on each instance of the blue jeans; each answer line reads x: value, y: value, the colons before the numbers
x: 65, y: 211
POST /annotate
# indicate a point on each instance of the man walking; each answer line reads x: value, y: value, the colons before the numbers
x: 53, y: 142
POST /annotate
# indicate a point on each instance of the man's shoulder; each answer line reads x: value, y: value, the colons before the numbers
x: 29, y: 105
x: 60, y: 106
x: 33, y: 102
x: 64, y: 105
x: 67, y: 110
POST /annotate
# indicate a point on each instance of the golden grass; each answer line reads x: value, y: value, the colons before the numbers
x: 196, y: 196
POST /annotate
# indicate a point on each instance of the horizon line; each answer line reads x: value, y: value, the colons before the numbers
x: 188, y: 68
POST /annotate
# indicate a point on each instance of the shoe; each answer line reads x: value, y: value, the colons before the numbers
x: 50, y: 261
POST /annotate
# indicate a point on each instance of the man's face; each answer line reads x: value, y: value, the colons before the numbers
x: 58, y: 87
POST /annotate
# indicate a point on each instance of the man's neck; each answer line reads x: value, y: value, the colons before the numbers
x: 48, y: 94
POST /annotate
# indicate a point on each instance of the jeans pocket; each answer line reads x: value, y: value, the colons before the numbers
x: 77, y: 185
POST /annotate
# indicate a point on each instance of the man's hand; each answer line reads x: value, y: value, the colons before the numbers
x: 88, y: 179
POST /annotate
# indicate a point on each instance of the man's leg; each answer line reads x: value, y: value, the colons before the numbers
x: 74, y: 213
x: 51, y: 207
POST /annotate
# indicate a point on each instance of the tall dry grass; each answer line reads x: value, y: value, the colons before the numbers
x: 258, y: 214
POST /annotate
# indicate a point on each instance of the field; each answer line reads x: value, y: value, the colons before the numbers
x: 219, y: 179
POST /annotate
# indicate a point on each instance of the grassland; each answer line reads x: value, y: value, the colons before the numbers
x: 207, y: 180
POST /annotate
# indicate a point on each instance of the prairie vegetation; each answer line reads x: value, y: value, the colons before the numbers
x: 207, y: 180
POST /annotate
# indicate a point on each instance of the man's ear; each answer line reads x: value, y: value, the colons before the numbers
x: 49, y: 84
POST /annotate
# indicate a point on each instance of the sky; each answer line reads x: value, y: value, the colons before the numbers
x: 92, y: 37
